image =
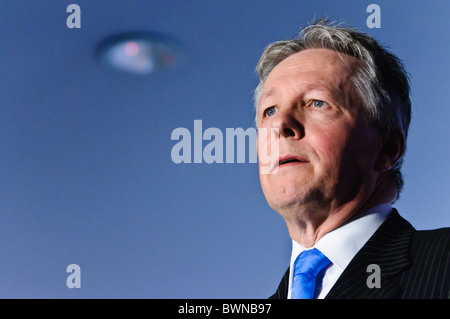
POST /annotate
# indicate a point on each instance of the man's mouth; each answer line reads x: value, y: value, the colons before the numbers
x: 291, y: 159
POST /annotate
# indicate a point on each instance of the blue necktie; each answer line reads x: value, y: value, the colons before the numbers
x: 306, y: 268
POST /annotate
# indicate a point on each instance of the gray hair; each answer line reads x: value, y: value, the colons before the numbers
x: 380, y: 81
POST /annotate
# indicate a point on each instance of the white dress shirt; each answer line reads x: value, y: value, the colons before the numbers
x: 341, y: 245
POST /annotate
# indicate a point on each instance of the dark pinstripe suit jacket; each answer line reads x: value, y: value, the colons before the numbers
x: 414, y: 265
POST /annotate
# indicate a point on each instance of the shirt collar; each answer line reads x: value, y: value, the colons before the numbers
x: 343, y: 243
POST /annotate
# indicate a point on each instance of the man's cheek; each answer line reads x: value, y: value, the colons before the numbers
x: 268, y: 150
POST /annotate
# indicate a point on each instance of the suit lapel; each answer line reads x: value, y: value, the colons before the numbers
x: 389, y: 249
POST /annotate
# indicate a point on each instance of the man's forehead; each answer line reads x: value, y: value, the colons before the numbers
x: 274, y: 90
x: 319, y: 69
x: 317, y: 57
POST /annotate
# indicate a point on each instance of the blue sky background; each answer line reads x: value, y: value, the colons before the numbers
x: 86, y: 175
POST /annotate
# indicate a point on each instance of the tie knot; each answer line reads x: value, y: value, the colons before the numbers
x: 310, y: 262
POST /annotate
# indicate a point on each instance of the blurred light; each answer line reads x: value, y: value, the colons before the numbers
x: 139, y: 52
x: 132, y: 48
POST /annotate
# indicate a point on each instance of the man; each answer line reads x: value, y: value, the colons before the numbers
x: 339, y: 105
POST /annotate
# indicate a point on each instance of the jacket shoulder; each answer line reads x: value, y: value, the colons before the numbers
x: 437, y: 240
x: 430, y: 261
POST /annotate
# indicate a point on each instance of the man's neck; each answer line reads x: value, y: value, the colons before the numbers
x: 307, y: 227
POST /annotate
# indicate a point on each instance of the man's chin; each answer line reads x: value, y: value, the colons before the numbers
x: 310, y: 200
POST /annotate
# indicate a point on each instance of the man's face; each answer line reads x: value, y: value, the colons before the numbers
x: 327, y: 153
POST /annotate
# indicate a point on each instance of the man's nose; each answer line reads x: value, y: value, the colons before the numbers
x: 289, y: 125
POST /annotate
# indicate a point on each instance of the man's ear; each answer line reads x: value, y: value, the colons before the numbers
x: 392, y: 150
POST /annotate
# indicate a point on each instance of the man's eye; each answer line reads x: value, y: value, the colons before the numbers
x: 270, y: 111
x: 318, y: 103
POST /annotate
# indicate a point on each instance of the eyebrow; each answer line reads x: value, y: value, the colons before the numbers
x: 271, y: 92
x: 309, y: 87
x: 336, y: 95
